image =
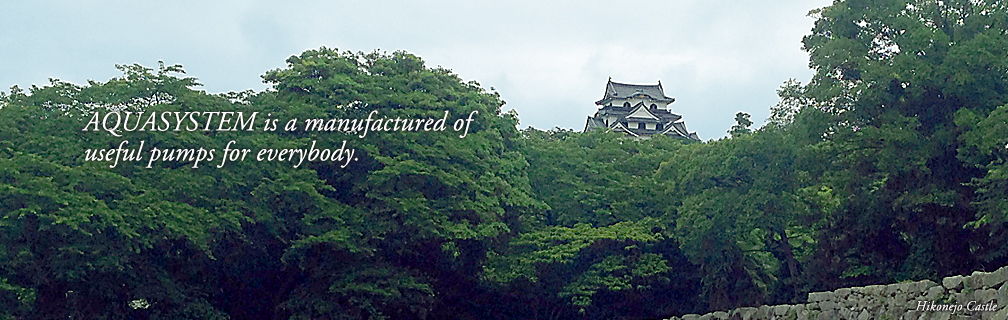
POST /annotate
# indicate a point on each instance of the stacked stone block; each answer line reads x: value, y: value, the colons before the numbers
x: 981, y: 295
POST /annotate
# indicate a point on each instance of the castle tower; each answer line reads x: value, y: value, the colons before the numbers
x: 638, y: 110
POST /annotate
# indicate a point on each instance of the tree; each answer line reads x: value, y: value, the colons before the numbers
x: 410, y: 221
x: 793, y: 99
x: 742, y: 124
x: 985, y: 146
x: 603, y: 247
x: 750, y: 208
x: 414, y: 218
x: 892, y: 74
x: 84, y: 240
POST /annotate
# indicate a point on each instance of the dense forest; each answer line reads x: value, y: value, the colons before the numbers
x: 889, y: 165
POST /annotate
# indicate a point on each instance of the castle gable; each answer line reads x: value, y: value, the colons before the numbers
x: 641, y: 113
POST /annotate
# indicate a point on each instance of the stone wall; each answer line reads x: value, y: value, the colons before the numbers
x: 981, y: 295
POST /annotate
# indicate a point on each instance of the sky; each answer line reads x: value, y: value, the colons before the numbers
x: 549, y: 60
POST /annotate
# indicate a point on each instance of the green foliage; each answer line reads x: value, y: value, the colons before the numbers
x: 561, y: 244
x: 613, y: 258
x: 616, y: 273
x: 412, y: 192
x: 898, y: 81
x: 749, y: 206
x: 597, y: 177
x: 605, y: 234
x: 103, y: 234
x: 889, y: 165
x: 985, y: 145
x: 18, y: 299
x: 792, y: 100
x: 742, y: 124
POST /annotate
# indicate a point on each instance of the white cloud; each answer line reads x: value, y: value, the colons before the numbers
x: 549, y: 59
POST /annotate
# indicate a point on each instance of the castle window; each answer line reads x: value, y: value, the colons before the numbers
x: 626, y: 104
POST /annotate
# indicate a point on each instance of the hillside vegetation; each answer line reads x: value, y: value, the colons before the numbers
x: 889, y: 165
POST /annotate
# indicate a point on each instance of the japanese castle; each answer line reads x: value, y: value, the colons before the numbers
x: 640, y: 111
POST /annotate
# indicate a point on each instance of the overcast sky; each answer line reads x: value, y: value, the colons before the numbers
x: 549, y: 59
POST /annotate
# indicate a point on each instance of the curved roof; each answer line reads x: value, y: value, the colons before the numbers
x: 625, y: 90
